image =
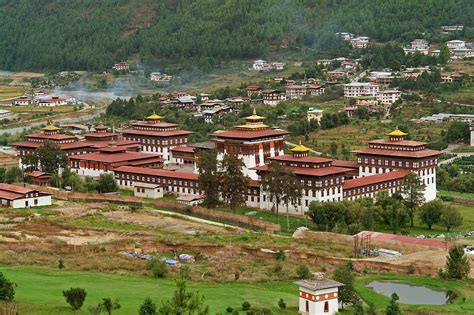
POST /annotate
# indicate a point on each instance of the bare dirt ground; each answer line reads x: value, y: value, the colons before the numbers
x: 94, y: 237
x: 19, y: 77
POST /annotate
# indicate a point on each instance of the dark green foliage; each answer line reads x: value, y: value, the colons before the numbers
x: 47, y: 158
x: 158, y: 268
x: 281, y: 304
x: 7, y: 289
x: 430, y: 212
x: 233, y: 182
x: 107, y: 183
x: 108, y: 306
x: 393, y: 308
x: 184, y: 301
x: 14, y: 175
x: 347, y: 293
x: 75, y: 297
x: 208, y: 177
x: 91, y: 35
x: 246, y: 306
x: 303, y: 272
x: 458, y: 131
x: 61, y: 264
x: 147, y: 308
x: 450, y: 217
x: 229, y: 309
x: 413, y: 194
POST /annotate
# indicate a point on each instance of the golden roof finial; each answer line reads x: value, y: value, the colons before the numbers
x: 300, y: 148
x: 154, y: 116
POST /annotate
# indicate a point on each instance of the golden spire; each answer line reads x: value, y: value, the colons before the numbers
x: 300, y: 148
x: 50, y: 127
x: 154, y: 116
x: 397, y: 133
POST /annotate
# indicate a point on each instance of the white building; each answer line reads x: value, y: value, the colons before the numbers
x: 148, y: 190
x: 471, y: 127
x: 356, y: 89
x: 318, y: 296
x: 53, y: 101
x: 314, y: 114
x: 360, y: 42
x: 260, y: 65
x: 419, y: 44
x: 388, y: 97
x: 14, y: 196
x: 455, y: 44
x: 461, y: 53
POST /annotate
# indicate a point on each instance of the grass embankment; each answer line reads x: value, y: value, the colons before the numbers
x: 38, y: 109
x: 7, y: 91
x: 465, y: 289
x: 455, y: 194
x: 39, y: 291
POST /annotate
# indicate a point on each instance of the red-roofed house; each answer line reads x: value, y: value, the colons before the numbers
x: 14, y: 196
x: 97, y: 163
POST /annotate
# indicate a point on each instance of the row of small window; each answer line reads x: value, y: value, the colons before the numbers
x: 153, y: 141
x: 369, y: 189
x: 397, y: 148
x: 395, y: 163
x: 157, y: 180
x: 154, y: 128
x: 332, y: 181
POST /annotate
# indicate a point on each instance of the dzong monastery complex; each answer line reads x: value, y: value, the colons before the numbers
x: 152, y: 154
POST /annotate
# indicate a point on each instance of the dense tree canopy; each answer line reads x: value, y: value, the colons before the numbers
x: 91, y: 35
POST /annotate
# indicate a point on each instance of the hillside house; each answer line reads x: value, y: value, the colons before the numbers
x: 121, y: 66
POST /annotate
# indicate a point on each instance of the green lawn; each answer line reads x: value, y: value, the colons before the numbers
x: 468, y: 224
x: 455, y: 194
x: 39, y: 291
x: 295, y: 221
x: 465, y: 289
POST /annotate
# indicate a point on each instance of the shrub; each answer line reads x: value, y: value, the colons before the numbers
x: 303, y: 272
x: 158, y: 268
x: 7, y: 289
x: 280, y: 256
x: 237, y: 275
x: 61, y: 264
x: 229, y: 309
x: 281, y: 304
x: 246, y: 306
x: 75, y: 297
x: 147, y: 308
x: 411, y: 269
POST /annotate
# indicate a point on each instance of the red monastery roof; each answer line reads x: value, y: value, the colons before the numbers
x: 156, y: 124
x: 304, y: 159
x: 249, y: 134
x: 113, y: 157
x: 156, y: 172
x: 408, y: 154
x: 374, y: 179
x: 348, y: 164
x: 183, y: 149
x: 168, y: 133
x: 408, y: 143
x: 56, y: 136
x: 324, y: 171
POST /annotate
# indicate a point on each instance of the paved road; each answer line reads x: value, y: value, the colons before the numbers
x: 310, y: 150
x: 458, y: 155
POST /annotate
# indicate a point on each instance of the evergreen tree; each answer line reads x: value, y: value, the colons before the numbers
x: 457, y: 264
x: 184, y: 301
x: 47, y: 158
x: 209, y: 177
x: 393, y: 308
x: 147, y: 308
x: 292, y: 193
x: 233, y: 182
x: 347, y: 293
x: 413, y: 194
x: 273, y: 184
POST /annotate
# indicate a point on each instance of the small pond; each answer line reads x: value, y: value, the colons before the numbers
x: 410, y: 294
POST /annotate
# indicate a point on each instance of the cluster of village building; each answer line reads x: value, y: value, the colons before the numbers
x: 154, y: 157
x: 459, y: 49
x: 39, y: 98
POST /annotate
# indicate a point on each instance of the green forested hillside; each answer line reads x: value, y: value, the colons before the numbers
x: 90, y: 34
